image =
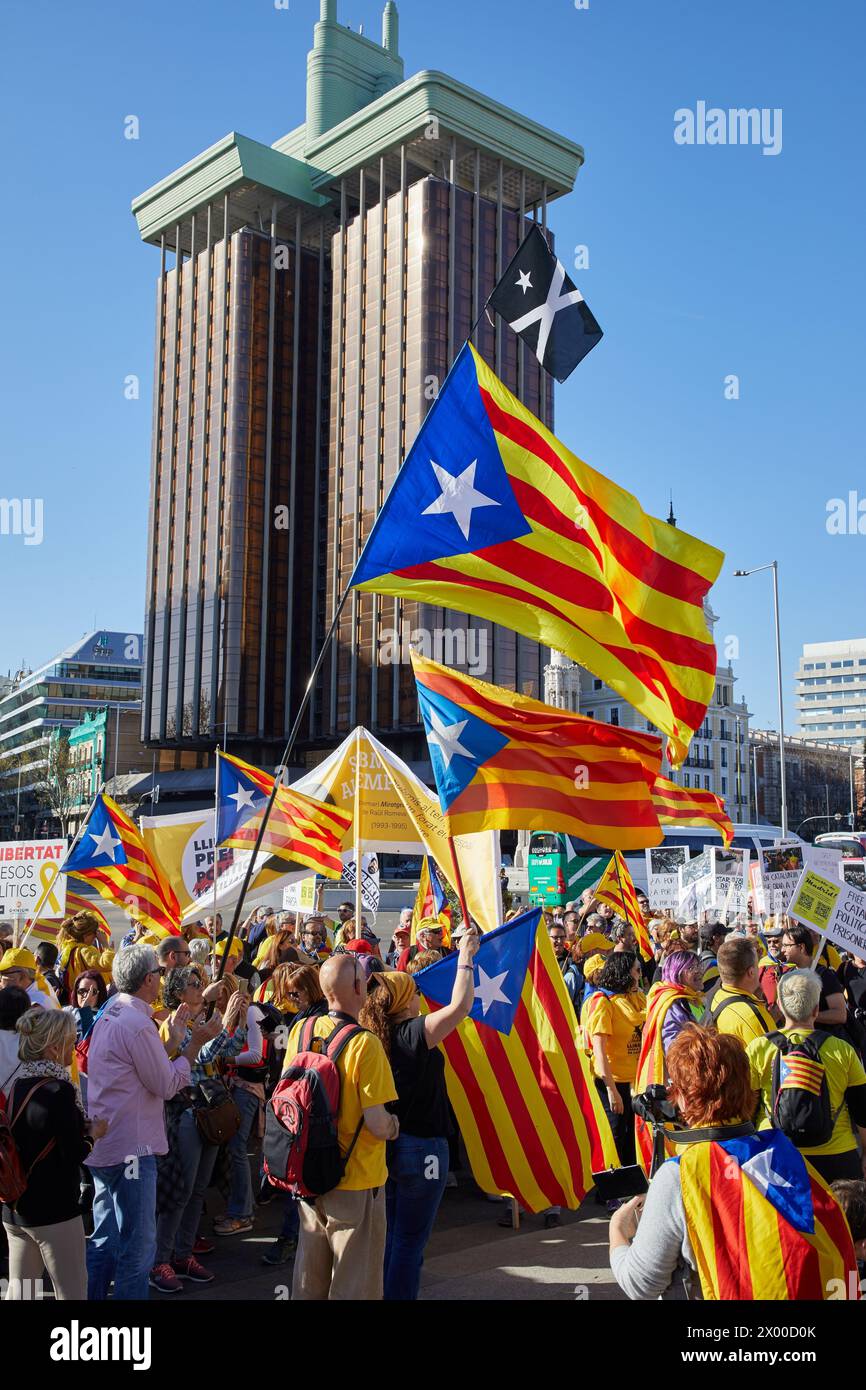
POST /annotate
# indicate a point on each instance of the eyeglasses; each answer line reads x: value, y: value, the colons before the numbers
x: 86, y: 989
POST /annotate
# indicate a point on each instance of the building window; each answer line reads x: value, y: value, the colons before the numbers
x: 590, y: 714
x: 724, y: 757
x: 706, y: 784
x: 687, y: 781
x: 596, y: 685
x: 724, y: 786
x: 614, y: 714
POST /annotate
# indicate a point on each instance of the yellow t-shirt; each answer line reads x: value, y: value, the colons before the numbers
x: 620, y: 1019
x: 843, y: 1069
x: 365, y: 1079
x: 741, y: 1020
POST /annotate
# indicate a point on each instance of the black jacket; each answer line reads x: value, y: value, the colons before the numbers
x: 53, y: 1190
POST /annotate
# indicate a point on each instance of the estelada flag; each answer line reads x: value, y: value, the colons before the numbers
x: 544, y: 307
x: 525, y: 1101
x: 300, y: 829
x: 651, y: 1061
x: 491, y: 514
x: 682, y: 806
x: 762, y: 1223
x: 431, y: 901
x: 617, y: 888
x: 111, y: 857
x: 504, y: 761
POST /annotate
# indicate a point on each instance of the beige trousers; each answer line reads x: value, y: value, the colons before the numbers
x: 341, y: 1247
x: 59, y: 1249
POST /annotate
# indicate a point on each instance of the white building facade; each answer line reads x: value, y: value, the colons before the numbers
x: 831, y: 693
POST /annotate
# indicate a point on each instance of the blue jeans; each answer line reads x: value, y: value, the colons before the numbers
x: 123, y: 1243
x: 417, y: 1171
x: 177, y: 1225
x: 240, y: 1203
x: 291, y: 1218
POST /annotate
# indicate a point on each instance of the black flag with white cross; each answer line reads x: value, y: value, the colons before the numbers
x: 545, y: 308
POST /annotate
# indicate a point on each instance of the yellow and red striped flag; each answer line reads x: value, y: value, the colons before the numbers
x: 300, y: 829
x: 683, y: 806
x: 617, y: 888
x: 46, y: 928
x: 431, y: 901
x: 763, y: 1224
x: 111, y: 857
x: 491, y: 514
x: 506, y: 762
x: 523, y: 1094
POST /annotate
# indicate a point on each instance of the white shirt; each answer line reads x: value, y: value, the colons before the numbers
x: 9, y: 1059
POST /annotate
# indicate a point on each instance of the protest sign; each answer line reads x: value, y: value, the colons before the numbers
x: 662, y: 873
x: 369, y: 880
x: 29, y: 873
x: 836, y: 910
x: 300, y: 896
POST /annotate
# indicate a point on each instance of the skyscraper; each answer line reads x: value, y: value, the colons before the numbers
x: 312, y: 295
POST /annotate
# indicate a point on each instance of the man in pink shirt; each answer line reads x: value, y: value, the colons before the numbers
x: 129, y: 1080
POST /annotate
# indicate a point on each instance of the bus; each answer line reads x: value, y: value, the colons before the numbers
x: 560, y: 867
x: 558, y: 873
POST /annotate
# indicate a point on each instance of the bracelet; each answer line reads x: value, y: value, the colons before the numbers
x: 467, y: 967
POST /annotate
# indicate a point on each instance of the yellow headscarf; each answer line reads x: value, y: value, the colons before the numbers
x: 401, y: 990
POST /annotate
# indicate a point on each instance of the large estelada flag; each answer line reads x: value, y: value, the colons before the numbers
x: 617, y: 888
x: 300, y: 829
x: 492, y: 515
x: 524, y: 1098
x: 504, y: 761
x: 111, y: 857
x: 682, y: 806
x: 545, y: 308
x: 430, y: 901
x: 762, y: 1223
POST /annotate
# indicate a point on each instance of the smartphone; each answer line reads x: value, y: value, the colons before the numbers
x: 616, y: 1184
x: 243, y: 985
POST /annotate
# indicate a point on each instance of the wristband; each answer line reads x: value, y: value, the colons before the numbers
x: 467, y: 967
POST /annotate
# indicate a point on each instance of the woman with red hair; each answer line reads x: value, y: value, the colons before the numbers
x: 736, y: 1213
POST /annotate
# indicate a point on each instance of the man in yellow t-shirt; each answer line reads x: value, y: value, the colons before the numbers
x: 341, y: 1245
x: 799, y: 999
x: 736, y: 1006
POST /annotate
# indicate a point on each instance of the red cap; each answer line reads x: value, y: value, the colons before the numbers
x: 360, y: 948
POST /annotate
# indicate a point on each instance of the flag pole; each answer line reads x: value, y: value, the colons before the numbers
x: 621, y: 889
x: 458, y: 883
x: 216, y: 812
x: 358, y: 842
x: 34, y: 916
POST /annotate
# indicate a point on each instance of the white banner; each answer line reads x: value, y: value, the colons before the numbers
x: 369, y: 880
x: 662, y: 874
x: 28, y: 869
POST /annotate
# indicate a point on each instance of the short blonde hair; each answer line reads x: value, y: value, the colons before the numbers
x: 40, y: 1029
x: 799, y: 994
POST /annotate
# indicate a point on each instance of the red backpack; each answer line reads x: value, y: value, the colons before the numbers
x: 13, y: 1178
x: 301, y: 1152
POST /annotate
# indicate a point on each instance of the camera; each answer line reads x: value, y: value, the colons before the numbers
x: 653, y: 1106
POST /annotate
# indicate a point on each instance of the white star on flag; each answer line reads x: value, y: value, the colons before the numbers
x: 446, y: 737
x: 545, y: 313
x: 105, y: 843
x: 489, y: 989
x: 459, y: 496
x: 244, y: 796
x: 524, y: 282
x: 762, y: 1173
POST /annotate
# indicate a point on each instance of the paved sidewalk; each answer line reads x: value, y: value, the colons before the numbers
x: 469, y: 1257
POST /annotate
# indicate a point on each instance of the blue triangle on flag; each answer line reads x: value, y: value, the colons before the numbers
x: 500, y: 965
x: 100, y: 845
x: 459, y: 742
x: 239, y: 798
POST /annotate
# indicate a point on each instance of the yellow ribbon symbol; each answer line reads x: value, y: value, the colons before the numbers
x: 50, y: 904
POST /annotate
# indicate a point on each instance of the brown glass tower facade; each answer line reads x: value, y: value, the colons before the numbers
x: 309, y: 306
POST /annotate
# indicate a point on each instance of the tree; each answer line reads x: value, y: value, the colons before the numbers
x: 60, y: 788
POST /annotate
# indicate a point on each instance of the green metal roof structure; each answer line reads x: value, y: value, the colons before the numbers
x: 360, y: 110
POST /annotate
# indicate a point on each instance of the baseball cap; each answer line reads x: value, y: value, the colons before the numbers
x: 594, y: 941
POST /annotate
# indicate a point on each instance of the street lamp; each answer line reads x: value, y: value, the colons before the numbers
x: 744, y: 574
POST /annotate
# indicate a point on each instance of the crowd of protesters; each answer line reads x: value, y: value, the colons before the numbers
x: 137, y: 1083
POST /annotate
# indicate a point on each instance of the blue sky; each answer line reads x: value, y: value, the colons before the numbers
x: 705, y: 261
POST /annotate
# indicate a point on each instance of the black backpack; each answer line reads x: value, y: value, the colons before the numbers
x: 800, y: 1095
x: 714, y: 1010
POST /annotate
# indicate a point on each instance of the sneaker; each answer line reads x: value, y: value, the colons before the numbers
x: 203, y: 1246
x: 282, y: 1250
x: 164, y: 1279
x: 551, y: 1221
x: 192, y: 1270
x: 232, y: 1225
